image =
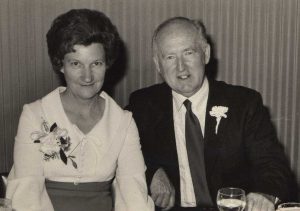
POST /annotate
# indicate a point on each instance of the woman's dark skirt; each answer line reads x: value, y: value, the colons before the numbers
x: 91, y: 196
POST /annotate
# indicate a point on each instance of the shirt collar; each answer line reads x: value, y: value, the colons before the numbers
x: 196, y: 99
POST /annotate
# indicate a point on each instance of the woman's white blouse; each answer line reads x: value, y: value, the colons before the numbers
x: 111, y: 149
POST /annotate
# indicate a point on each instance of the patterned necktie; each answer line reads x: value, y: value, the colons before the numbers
x: 195, y: 151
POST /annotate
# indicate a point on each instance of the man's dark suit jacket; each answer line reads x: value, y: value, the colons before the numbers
x: 244, y: 153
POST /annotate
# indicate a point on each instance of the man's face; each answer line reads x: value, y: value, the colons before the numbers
x: 181, y: 58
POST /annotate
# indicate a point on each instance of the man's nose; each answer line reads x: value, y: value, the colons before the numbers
x: 180, y: 64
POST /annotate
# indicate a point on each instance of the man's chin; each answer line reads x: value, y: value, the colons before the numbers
x: 186, y: 92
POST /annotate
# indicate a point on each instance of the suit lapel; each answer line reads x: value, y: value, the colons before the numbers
x: 165, y: 124
x: 213, y: 142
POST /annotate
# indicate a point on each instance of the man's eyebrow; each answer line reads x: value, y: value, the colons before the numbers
x: 193, y: 48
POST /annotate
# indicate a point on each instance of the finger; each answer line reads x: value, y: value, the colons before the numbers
x: 261, y: 203
x: 271, y: 208
x: 258, y: 204
x: 156, y: 191
x: 256, y: 207
x: 267, y: 205
x: 167, y: 208
x: 166, y: 200
x: 171, y: 202
x: 249, y: 205
x: 154, y: 197
x: 161, y: 196
x: 159, y: 200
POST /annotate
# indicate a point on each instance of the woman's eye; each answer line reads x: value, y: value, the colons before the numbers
x: 98, y: 63
x: 75, y: 64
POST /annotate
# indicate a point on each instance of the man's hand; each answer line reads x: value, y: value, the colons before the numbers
x: 162, y: 191
x: 257, y: 202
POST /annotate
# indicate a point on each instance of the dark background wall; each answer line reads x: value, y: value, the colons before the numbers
x: 255, y: 44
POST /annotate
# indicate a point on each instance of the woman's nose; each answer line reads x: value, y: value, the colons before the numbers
x: 87, y: 75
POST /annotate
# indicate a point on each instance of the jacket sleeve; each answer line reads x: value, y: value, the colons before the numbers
x: 269, y: 164
x: 26, y: 186
x: 141, y: 108
x: 130, y: 184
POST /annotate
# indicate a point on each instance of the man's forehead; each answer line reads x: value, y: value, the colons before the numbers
x: 177, y: 36
x: 176, y: 28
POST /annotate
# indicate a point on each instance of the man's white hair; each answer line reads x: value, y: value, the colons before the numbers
x: 197, y: 24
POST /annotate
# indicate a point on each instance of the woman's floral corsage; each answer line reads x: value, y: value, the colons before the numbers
x: 54, y: 142
x: 218, y: 112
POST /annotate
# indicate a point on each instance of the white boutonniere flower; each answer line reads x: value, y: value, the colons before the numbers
x: 218, y: 112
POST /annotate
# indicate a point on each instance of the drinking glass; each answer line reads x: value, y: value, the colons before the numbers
x: 5, y: 204
x: 231, y: 199
x: 289, y: 206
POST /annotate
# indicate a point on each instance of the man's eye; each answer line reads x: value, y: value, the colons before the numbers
x: 189, y: 53
x: 170, y: 57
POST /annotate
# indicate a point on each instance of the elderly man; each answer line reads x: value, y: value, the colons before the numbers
x: 200, y: 135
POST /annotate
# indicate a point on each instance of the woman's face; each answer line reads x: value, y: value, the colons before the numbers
x: 84, y: 70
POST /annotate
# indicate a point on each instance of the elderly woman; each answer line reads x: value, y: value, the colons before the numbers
x: 73, y: 142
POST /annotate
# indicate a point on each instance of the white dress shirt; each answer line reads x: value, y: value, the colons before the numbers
x: 199, y: 102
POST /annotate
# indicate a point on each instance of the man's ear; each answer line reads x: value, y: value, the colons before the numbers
x: 62, y: 70
x: 155, y: 59
x: 206, y: 53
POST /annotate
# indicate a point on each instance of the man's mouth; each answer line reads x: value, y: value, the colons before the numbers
x: 182, y: 77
